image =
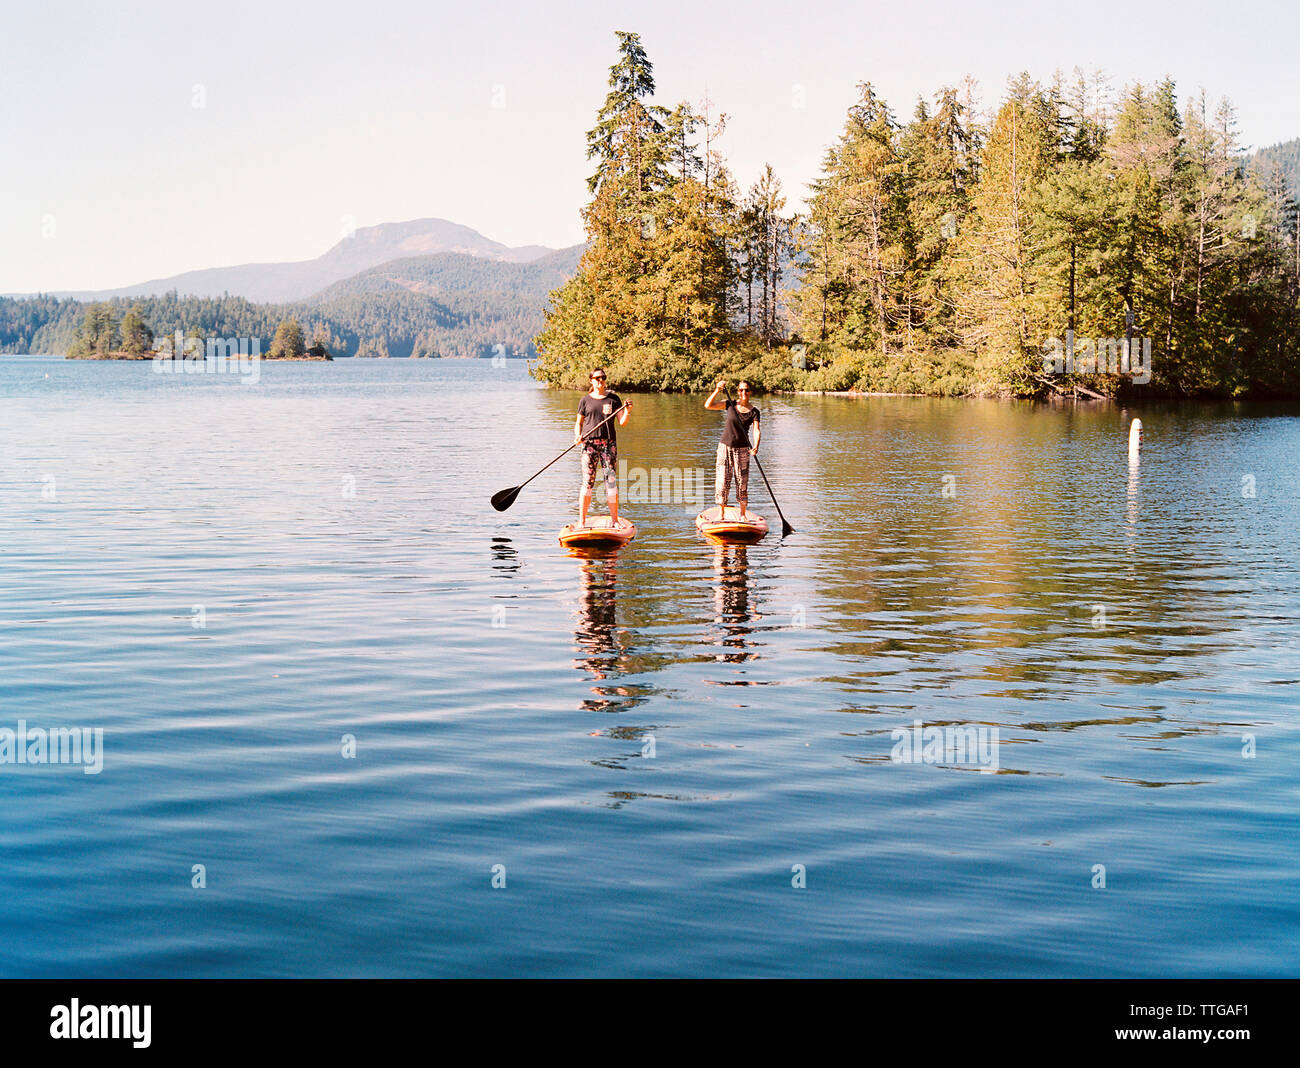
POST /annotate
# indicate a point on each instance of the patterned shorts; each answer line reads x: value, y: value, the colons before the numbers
x: 733, y: 466
x: 602, y: 453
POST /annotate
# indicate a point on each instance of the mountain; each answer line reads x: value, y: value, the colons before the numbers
x: 367, y: 247
x: 444, y: 304
x: 450, y: 274
x: 449, y: 304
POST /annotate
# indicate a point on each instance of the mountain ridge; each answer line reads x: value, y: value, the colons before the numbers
x: 439, y: 304
x: 289, y: 281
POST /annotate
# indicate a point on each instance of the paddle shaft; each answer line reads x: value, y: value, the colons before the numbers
x: 575, y: 444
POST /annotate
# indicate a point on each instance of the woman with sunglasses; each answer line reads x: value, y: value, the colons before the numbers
x: 734, y: 449
x: 596, y: 430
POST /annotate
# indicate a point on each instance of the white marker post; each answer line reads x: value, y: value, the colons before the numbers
x: 1134, y: 440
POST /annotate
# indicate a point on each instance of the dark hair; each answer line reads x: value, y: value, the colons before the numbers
x: 594, y: 372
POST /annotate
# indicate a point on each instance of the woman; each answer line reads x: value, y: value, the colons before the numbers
x: 734, y: 449
x: 595, y: 428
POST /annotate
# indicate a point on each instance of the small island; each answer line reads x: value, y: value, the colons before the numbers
x: 102, y: 336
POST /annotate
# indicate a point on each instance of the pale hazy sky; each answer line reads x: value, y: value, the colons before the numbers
x: 475, y: 111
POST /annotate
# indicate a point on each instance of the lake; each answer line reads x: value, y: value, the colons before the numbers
x: 341, y: 697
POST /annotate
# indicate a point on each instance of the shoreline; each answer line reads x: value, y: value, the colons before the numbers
x: 844, y: 393
x: 938, y: 396
x: 126, y: 358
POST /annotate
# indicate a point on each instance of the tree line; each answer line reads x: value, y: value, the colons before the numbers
x: 944, y: 254
x: 103, y: 333
x: 350, y: 322
x: 445, y: 304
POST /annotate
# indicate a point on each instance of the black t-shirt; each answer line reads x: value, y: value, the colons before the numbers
x: 593, y: 411
x: 736, y: 424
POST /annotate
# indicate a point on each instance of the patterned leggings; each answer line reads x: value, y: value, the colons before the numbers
x: 733, y: 465
x: 603, y: 453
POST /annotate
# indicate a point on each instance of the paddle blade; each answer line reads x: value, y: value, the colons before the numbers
x: 786, y: 529
x: 503, y: 499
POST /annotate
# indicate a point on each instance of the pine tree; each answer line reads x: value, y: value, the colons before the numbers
x: 137, y: 338
x: 684, y: 159
x: 288, y: 341
x: 320, y: 343
x: 1004, y: 313
x: 939, y: 166
x: 656, y: 285
x: 627, y: 140
x: 857, y: 237
x: 767, y: 240
x: 98, y: 334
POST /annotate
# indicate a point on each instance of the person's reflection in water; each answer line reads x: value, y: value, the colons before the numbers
x: 602, y: 645
x: 731, y: 602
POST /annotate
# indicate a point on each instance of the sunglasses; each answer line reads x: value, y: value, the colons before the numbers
x: 598, y: 378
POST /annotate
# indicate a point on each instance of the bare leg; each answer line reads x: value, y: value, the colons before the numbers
x: 584, y: 502
x: 611, y: 496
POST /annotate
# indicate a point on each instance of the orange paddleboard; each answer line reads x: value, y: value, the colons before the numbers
x: 729, y: 527
x: 597, y: 533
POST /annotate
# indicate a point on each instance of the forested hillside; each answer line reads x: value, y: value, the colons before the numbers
x: 943, y: 254
x: 443, y: 305
x: 447, y: 305
x: 1284, y: 159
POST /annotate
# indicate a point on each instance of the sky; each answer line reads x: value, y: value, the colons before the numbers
x: 145, y: 139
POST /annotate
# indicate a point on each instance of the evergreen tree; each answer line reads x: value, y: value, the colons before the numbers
x: 767, y: 242
x: 684, y: 158
x: 655, y: 288
x: 1004, y: 313
x: 137, y: 338
x: 938, y: 156
x: 288, y: 341
x: 98, y: 334
x: 858, y: 240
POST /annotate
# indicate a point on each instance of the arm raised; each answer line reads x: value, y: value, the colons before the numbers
x: 712, y: 403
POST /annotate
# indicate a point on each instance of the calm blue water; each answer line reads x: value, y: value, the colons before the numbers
x: 329, y: 527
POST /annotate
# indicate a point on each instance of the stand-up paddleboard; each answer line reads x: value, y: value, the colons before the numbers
x: 729, y: 527
x: 597, y: 533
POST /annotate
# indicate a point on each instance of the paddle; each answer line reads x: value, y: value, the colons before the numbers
x: 503, y: 499
x: 786, y: 528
